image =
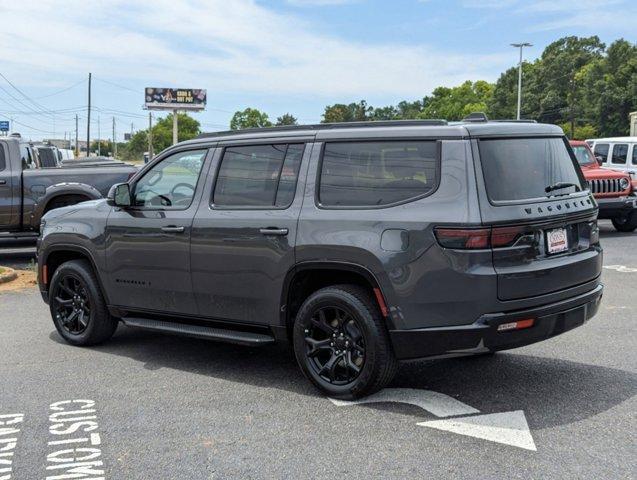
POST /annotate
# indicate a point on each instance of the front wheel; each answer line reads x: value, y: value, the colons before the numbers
x: 626, y: 223
x: 341, y: 342
x: 77, y: 306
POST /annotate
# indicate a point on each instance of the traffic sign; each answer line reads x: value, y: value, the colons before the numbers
x: 4, y: 125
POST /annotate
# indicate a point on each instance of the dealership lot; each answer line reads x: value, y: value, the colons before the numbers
x: 150, y: 406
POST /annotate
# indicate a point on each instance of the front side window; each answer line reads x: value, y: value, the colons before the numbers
x: 2, y: 161
x: 171, y: 183
x: 583, y: 155
x: 527, y: 168
x: 258, y: 176
x: 368, y: 174
x: 27, y: 161
x: 620, y: 153
x: 635, y: 154
x: 601, y: 151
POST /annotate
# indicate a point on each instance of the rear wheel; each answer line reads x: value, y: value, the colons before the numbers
x: 77, y: 306
x: 626, y: 223
x: 341, y: 343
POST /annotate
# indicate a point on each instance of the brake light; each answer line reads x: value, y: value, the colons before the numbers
x: 463, y: 238
x: 477, y: 238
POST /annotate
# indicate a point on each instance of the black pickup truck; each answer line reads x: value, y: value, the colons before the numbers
x: 28, y: 190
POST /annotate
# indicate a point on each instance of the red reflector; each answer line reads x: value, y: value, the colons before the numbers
x: 45, y: 274
x: 463, y: 238
x: 505, y: 236
x: 518, y: 325
x: 381, y: 301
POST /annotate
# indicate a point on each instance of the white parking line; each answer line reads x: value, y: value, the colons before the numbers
x: 9, y: 429
x: 621, y: 268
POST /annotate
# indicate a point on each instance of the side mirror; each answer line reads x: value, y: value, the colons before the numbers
x: 119, y: 195
x: 600, y: 159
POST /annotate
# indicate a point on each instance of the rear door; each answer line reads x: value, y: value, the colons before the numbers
x: 545, y: 231
x: 244, y: 233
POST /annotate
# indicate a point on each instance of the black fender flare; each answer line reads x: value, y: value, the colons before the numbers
x: 58, y: 190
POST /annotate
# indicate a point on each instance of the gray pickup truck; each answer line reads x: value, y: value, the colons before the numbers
x: 28, y: 192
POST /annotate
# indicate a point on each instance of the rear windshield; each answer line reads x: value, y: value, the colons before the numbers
x: 523, y: 168
x: 583, y: 154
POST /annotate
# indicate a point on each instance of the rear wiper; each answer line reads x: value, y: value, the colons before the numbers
x: 560, y: 185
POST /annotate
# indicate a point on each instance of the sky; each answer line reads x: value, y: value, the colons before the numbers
x: 280, y: 56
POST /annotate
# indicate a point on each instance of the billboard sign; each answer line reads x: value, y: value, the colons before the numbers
x: 4, y: 125
x: 175, y: 98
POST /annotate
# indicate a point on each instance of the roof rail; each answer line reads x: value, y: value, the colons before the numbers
x: 330, y: 126
x: 521, y: 120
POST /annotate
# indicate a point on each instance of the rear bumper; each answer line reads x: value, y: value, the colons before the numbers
x: 616, y: 207
x: 483, y: 336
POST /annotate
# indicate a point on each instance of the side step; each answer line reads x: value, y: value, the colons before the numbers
x: 199, y: 331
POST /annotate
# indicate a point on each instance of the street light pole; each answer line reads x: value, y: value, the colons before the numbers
x: 521, y: 47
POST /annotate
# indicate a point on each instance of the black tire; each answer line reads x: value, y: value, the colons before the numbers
x: 365, y: 344
x: 627, y: 223
x: 65, y: 201
x: 75, y: 282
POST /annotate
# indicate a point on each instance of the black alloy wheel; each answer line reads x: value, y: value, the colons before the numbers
x: 335, y: 346
x: 72, y: 304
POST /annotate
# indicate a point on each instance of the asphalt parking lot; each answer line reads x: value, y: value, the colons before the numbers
x: 149, y: 406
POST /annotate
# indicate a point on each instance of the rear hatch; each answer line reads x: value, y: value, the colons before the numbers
x: 544, y: 231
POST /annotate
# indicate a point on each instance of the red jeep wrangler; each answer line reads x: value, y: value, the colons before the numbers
x: 612, y: 189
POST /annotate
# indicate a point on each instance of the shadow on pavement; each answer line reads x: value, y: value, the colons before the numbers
x: 551, y: 391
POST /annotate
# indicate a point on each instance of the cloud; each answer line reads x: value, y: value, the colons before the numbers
x: 320, y: 3
x: 226, y: 47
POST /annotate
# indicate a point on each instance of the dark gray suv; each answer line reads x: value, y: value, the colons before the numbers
x: 360, y: 244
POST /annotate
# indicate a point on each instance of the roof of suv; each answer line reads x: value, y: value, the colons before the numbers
x: 388, y: 129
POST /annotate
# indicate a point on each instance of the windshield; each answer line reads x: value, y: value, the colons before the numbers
x: 527, y: 168
x: 584, y: 155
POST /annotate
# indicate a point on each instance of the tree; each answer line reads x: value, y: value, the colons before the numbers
x: 249, y: 118
x: 354, y: 112
x: 286, y: 119
x: 504, y: 101
x: 105, y: 147
x: 163, y: 131
x: 456, y: 103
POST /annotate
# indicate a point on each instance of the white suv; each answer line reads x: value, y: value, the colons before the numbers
x: 618, y: 153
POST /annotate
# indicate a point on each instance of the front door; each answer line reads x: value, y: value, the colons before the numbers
x: 148, y: 244
x: 6, y: 190
x: 244, y: 232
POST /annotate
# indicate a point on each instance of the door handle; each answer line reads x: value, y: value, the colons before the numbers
x: 3, y: 182
x: 274, y: 231
x: 173, y: 229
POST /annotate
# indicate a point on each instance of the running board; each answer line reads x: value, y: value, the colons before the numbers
x: 199, y: 331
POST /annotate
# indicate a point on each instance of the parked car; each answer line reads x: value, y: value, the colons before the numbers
x: 619, y: 153
x: 66, y: 154
x: 28, y: 189
x: 360, y: 244
x: 612, y: 189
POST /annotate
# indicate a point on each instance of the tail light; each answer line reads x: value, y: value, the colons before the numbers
x: 477, y: 238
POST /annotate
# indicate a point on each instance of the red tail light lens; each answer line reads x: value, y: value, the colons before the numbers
x: 477, y: 238
x: 505, y: 236
x: 463, y: 238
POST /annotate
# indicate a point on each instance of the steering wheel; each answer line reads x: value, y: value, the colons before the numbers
x: 179, y: 185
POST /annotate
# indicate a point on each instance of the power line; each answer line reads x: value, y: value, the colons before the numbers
x: 63, y: 90
x: 118, y: 86
x: 23, y: 94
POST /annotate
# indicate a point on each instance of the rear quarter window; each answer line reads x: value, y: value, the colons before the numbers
x: 620, y: 153
x: 518, y: 169
x: 373, y: 174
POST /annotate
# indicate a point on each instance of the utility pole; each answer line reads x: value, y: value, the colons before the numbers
x: 521, y: 47
x: 88, y: 120
x: 131, y: 129
x: 77, y: 147
x: 99, y: 136
x: 114, y: 141
x: 150, y: 136
x: 175, y: 127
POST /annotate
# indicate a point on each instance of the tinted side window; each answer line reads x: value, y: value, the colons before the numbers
x: 601, y: 150
x: 620, y: 153
x: 634, y: 153
x: 363, y: 174
x: 258, y: 176
x: 2, y: 162
x: 172, y: 182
